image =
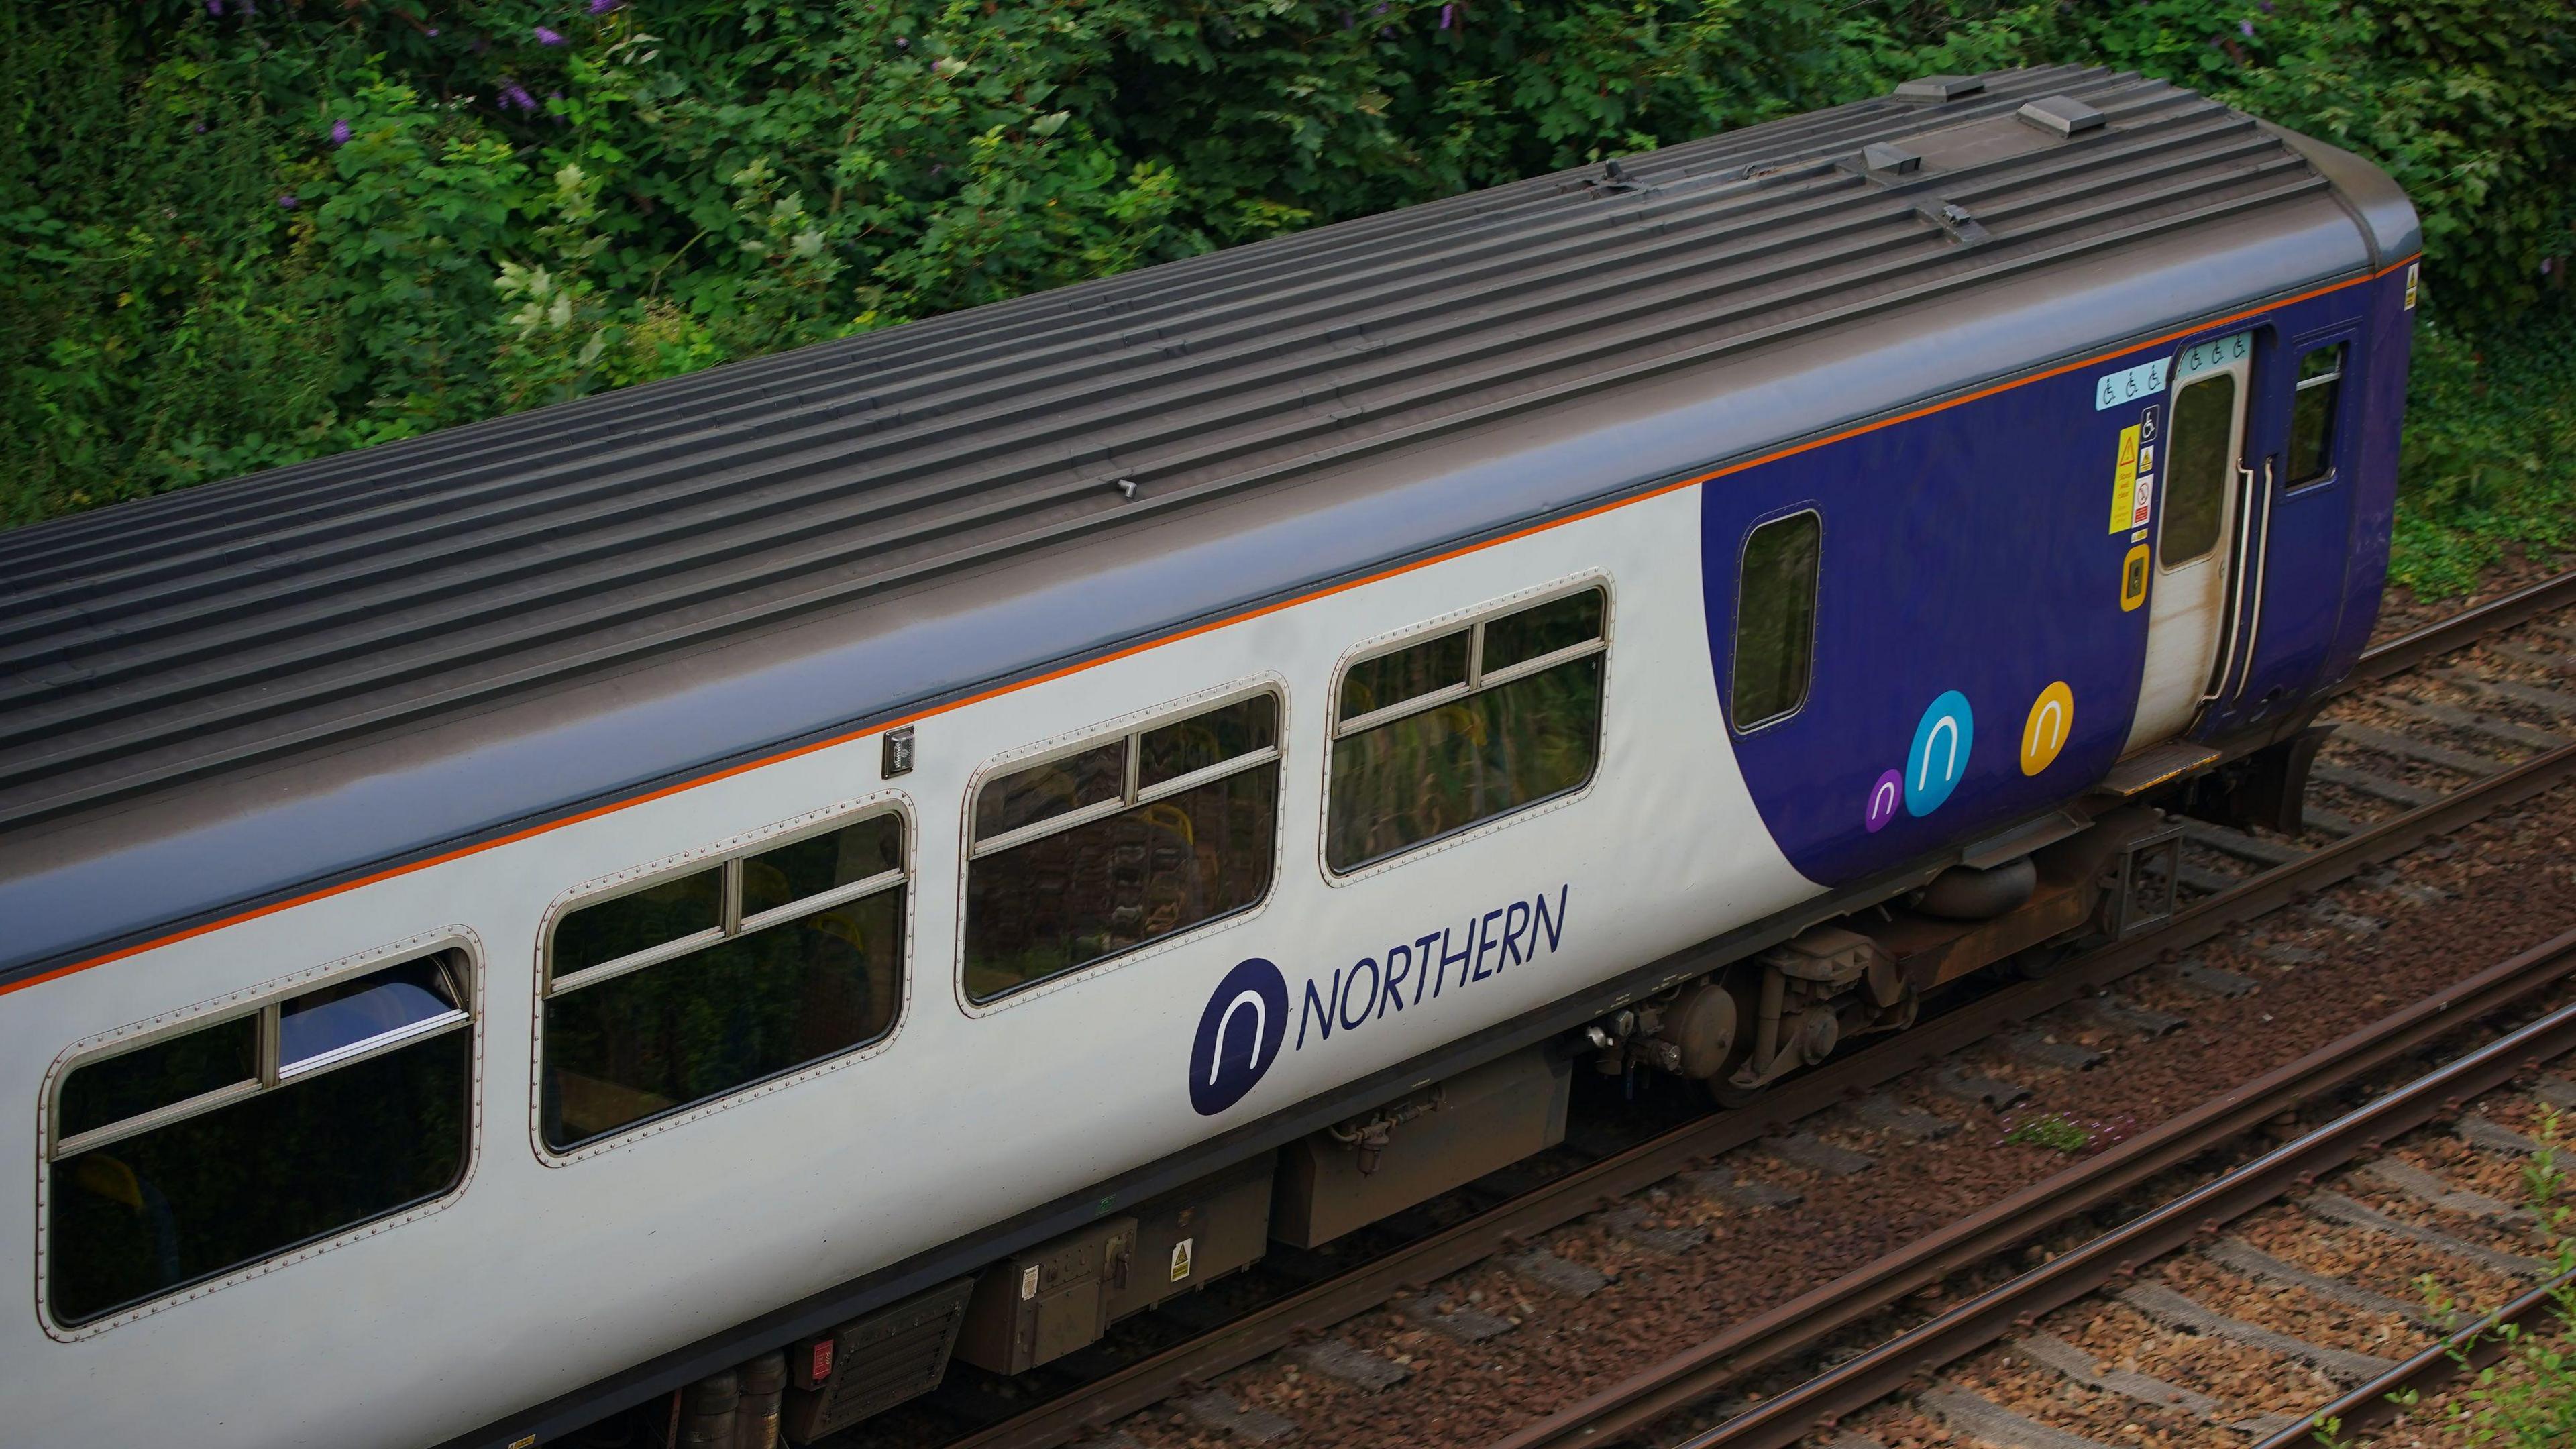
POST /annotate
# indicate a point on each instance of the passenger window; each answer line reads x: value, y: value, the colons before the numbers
x: 1068, y: 870
x: 1438, y: 736
x: 803, y: 961
x: 1775, y: 618
x: 2196, y: 468
x: 2312, y: 414
x: 193, y: 1155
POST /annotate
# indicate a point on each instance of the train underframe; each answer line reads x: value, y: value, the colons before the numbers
x: 2023, y: 903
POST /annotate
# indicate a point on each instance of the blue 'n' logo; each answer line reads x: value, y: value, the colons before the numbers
x: 1239, y: 1035
x: 1940, y: 753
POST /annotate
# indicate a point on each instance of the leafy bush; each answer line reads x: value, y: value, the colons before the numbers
x: 242, y: 232
x: 2490, y: 452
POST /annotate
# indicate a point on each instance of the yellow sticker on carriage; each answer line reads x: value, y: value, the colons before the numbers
x: 2133, y: 579
x: 2124, y: 483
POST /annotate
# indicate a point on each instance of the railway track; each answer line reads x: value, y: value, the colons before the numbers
x: 2463, y: 740
x: 2199, y: 1216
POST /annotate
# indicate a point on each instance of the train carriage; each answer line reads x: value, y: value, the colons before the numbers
x: 920, y: 847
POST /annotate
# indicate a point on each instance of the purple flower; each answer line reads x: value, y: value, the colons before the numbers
x: 214, y: 7
x: 903, y: 42
x: 602, y: 7
x: 515, y: 94
x: 199, y: 128
x: 287, y: 199
x: 2245, y: 28
x: 549, y: 37
x: 433, y: 30
x: 339, y: 133
x: 1448, y: 13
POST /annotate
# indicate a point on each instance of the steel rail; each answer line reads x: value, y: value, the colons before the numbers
x: 2472, y: 1347
x: 1785, y: 1418
x: 2444, y: 635
x: 1314, y: 1310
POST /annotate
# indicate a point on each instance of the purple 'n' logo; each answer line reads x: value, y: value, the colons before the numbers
x: 1884, y: 797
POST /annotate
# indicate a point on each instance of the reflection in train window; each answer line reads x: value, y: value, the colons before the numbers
x: 2312, y: 414
x: 1775, y: 618
x: 2197, y: 468
x: 209, y: 1150
x: 804, y: 961
x: 1186, y: 835
x: 1422, y: 749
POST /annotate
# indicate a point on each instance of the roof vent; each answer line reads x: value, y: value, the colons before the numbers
x: 1892, y: 160
x: 1940, y: 89
x: 2062, y: 116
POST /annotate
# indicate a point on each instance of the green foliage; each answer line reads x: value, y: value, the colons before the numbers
x: 2490, y: 452
x: 243, y: 233
x: 2526, y: 1397
x: 2053, y: 1131
x: 2060, y: 1133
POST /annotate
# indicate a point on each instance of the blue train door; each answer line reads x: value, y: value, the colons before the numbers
x: 2302, y: 543
x: 2198, y: 466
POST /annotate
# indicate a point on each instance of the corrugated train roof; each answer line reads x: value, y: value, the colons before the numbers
x: 187, y: 634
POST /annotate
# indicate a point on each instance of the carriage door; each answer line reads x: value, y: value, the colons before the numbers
x: 2201, y: 479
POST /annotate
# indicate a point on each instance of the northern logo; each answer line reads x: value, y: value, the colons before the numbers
x: 1239, y: 1035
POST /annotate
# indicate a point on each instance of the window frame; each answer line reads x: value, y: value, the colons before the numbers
x: 460, y: 955
x: 730, y: 921
x: 1815, y: 618
x: 727, y: 855
x: 1129, y: 730
x: 2350, y: 341
x: 1473, y: 618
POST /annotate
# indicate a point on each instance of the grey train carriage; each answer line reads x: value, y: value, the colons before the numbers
x: 921, y: 847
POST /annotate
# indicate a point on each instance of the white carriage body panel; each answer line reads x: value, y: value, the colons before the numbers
x: 544, y: 1273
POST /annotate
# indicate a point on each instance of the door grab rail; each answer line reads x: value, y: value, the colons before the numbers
x: 2236, y: 608
x: 2254, y: 599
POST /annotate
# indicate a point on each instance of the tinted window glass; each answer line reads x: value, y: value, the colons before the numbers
x: 1775, y: 617
x: 1410, y: 779
x: 346, y: 1013
x: 1041, y: 792
x: 2312, y: 414
x: 1389, y: 679
x: 819, y: 863
x: 704, y: 1024
x: 1049, y: 905
x: 2196, y: 468
x: 209, y: 1193
x: 1174, y: 750
x: 112, y: 1089
x: 665, y: 912
x: 1536, y: 633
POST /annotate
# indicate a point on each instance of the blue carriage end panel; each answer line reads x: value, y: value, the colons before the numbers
x: 1981, y: 618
